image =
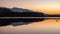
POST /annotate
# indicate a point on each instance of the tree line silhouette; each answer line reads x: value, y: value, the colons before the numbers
x: 6, y: 12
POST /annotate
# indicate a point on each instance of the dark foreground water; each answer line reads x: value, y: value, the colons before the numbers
x: 45, y: 27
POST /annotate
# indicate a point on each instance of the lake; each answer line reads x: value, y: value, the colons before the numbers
x: 49, y: 26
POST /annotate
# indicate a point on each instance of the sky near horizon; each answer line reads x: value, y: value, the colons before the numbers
x: 47, y: 6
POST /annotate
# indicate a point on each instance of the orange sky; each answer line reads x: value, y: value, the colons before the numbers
x: 46, y: 6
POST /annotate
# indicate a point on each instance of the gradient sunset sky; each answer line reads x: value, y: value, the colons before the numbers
x: 46, y: 6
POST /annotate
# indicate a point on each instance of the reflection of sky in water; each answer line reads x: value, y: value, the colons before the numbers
x: 47, y: 26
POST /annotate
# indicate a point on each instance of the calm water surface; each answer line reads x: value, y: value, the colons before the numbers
x: 49, y: 26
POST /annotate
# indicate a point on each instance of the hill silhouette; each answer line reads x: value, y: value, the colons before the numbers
x: 6, y: 12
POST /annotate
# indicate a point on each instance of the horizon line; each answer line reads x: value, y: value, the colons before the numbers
x: 30, y: 17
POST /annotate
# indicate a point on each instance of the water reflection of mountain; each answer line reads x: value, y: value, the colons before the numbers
x: 18, y: 12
